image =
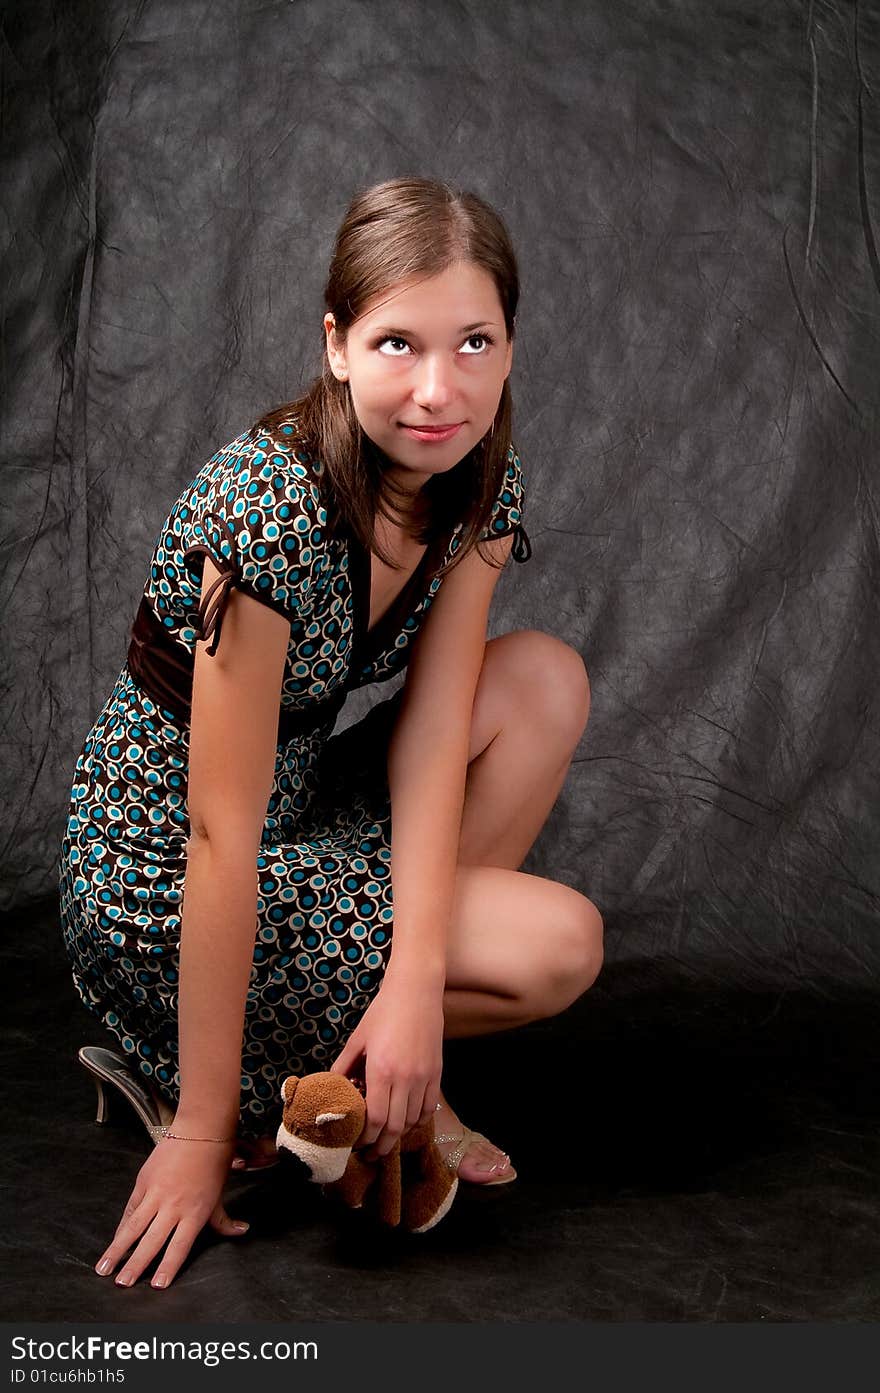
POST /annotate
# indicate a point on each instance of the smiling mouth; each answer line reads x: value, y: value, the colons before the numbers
x: 449, y: 425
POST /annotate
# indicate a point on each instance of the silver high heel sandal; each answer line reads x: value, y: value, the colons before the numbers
x: 106, y: 1067
x: 456, y: 1155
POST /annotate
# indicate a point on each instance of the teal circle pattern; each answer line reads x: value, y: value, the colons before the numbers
x: 324, y: 902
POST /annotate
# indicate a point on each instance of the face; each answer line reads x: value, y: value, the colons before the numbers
x: 426, y: 354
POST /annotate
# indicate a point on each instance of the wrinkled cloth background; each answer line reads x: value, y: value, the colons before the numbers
x: 695, y: 203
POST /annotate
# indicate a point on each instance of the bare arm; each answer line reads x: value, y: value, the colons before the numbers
x: 427, y: 763
x: 401, y: 1032
x: 233, y: 739
x: 233, y: 732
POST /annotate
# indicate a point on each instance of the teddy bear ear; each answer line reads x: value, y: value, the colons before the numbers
x: 288, y: 1088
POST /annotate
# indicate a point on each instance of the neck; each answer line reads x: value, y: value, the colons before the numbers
x: 407, y: 518
x: 403, y: 499
x: 402, y: 503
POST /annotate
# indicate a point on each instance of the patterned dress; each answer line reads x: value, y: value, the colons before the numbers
x: 324, y: 910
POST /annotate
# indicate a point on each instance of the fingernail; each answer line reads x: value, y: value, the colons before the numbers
x: 238, y: 1163
x: 240, y: 1227
x: 160, y: 1280
x: 103, y: 1267
x: 123, y: 1281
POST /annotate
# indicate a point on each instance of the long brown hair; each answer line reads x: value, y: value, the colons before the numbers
x: 393, y: 231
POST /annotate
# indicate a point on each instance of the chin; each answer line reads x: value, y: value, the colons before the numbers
x: 427, y: 463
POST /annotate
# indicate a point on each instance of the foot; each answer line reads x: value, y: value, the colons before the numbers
x: 256, y: 1153
x: 482, y: 1163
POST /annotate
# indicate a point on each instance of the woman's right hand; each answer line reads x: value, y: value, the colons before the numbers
x: 178, y: 1190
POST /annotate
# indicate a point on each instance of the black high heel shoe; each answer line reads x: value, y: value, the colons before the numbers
x: 108, y: 1067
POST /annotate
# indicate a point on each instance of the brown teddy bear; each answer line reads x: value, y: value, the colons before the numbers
x: 323, y: 1117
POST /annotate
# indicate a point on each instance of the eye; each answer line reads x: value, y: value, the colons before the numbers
x: 382, y: 342
x: 486, y: 338
x: 396, y: 341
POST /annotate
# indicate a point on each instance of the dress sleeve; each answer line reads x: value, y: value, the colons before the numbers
x: 507, y: 510
x: 261, y: 525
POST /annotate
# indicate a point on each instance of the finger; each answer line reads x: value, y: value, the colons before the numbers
x: 394, y: 1126
x: 152, y: 1242
x: 245, y: 1154
x: 432, y: 1098
x: 377, y: 1109
x: 135, y: 1219
x: 240, y: 1156
x: 414, y: 1108
x: 178, y: 1248
x: 182, y: 1241
x: 175, y: 1254
x: 221, y: 1222
x: 347, y: 1056
x: 131, y: 1213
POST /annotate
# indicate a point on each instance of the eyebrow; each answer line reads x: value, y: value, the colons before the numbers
x: 409, y: 333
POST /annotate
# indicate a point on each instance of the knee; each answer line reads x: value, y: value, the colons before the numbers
x: 553, y: 679
x: 572, y: 957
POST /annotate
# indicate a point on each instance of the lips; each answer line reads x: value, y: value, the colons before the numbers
x: 432, y: 435
x: 451, y: 425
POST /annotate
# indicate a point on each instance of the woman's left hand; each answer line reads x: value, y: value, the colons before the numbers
x: 401, y: 1036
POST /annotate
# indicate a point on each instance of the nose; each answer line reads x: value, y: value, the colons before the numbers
x: 433, y: 387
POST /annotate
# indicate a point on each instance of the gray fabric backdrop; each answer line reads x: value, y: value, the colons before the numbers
x: 694, y: 191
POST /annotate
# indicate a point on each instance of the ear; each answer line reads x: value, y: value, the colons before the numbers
x: 336, y: 354
x: 289, y: 1087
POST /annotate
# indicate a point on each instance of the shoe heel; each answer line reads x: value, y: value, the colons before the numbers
x: 101, y: 1088
x: 103, y: 1100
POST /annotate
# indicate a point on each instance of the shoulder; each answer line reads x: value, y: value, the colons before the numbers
x: 269, y: 490
x: 258, y: 511
x: 272, y: 463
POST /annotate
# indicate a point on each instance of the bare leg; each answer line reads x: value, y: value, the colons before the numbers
x: 530, y: 710
x: 520, y: 947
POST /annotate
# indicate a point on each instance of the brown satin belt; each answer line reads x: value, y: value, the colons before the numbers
x: 164, y: 669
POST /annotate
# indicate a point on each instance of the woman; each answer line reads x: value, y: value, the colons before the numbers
x: 332, y: 545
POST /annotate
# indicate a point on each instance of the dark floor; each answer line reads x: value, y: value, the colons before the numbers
x: 684, y: 1155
